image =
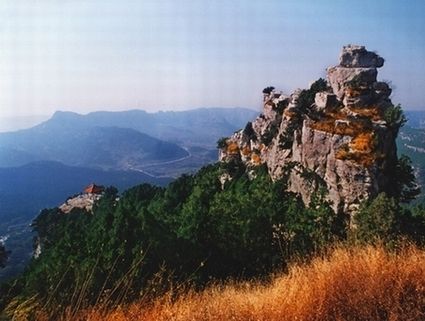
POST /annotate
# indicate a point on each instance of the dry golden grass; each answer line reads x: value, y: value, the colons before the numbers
x: 358, y: 283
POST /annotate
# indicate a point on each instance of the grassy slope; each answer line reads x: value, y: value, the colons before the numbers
x: 357, y: 283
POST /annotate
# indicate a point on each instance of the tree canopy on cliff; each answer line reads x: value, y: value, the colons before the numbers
x: 3, y: 256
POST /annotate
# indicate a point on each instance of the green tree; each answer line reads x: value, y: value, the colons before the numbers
x: 378, y: 220
x: 395, y: 118
x: 306, y: 97
x: 405, y: 187
x: 268, y: 90
x: 3, y: 256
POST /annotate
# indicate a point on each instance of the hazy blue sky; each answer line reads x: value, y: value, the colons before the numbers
x: 86, y: 55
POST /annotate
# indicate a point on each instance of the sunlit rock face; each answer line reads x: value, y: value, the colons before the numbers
x: 334, y: 135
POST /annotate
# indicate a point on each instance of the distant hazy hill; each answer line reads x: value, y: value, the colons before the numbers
x: 411, y: 142
x: 119, y: 140
x: 195, y: 127
x: 416, y: 118
x: 159, y: 144
x: 13, y: 123
x: 79, y: 145
x: 25, y: 190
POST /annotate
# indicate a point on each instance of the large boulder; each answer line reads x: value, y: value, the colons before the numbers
x: 353, y: 56
x: 325, y: 101
x: 340, y: 78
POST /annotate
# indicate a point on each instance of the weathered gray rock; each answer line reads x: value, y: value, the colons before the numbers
x: 340, y: 78
x: 358, y: 56
x: 346, y: 147
x: 84, y: 201
x: 325, y: 101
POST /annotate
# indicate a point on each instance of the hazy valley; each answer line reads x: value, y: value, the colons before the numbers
x: 43, y: 165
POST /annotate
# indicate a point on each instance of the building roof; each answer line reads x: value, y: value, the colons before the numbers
x: 94, y: 189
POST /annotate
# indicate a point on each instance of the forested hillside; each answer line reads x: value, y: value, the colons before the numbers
x: 195, y: 230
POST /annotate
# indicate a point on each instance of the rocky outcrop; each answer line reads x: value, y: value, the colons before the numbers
x: 335, y: 134
x: 84, y: 201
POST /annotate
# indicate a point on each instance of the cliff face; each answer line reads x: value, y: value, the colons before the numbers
x: 337, y: 134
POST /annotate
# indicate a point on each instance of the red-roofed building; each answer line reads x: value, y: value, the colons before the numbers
x: 94, y: 189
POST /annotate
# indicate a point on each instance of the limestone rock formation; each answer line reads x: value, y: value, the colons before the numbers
x: 84, y: 201
x: 336, y: 134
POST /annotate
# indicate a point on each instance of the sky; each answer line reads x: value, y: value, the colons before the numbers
x: 88, y: 55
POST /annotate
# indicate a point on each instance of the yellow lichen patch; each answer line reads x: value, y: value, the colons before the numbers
x: 256, y: 159
x: 289, y: 113
x: 232, y: 148
x: 372, y: 112
x: 324, y: 125
x: 343, y: 153
x: 339, y: 123
x: 246, y: 151
x: 363, y: 142
x: 361, y: 150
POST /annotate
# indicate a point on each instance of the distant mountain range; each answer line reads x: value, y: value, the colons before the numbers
x: 192, y: 127
x: 25, y: 190
x: 97, y: 147
x: 411, y: 142
x: 43, y: 165
x: 416, y: 118
x: 120, y: 140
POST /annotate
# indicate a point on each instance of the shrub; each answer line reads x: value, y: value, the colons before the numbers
x: 377, y: 220
x: 395, y: 117
x: 268, y: 90
x: 403, y: 184
x: 222, y: 143
x: 306, y: 97
x: 3, y: 256
x: 249, y: 131
x: 270, y: 133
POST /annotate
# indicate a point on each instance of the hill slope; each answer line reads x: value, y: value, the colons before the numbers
x: 79, y: 145
x: 201, y: 126
x: 411, y: 142
x: 25, y: 190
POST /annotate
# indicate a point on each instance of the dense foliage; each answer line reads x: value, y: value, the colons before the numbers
x: 306, y: 97
x: 3, y: 256
x: 383, y: 219
x: 197, y: 230
x: 194, y: 230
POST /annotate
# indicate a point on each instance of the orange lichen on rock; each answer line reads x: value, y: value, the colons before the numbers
x: 364, y: 142
x: 361, y: 150
x: 256, y: 159
x: 289, y: 113
x: 372, y: 112
x: 246, y: 151
x: 232, y: 148
x: 340, y: 123
x: 343, y: 153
